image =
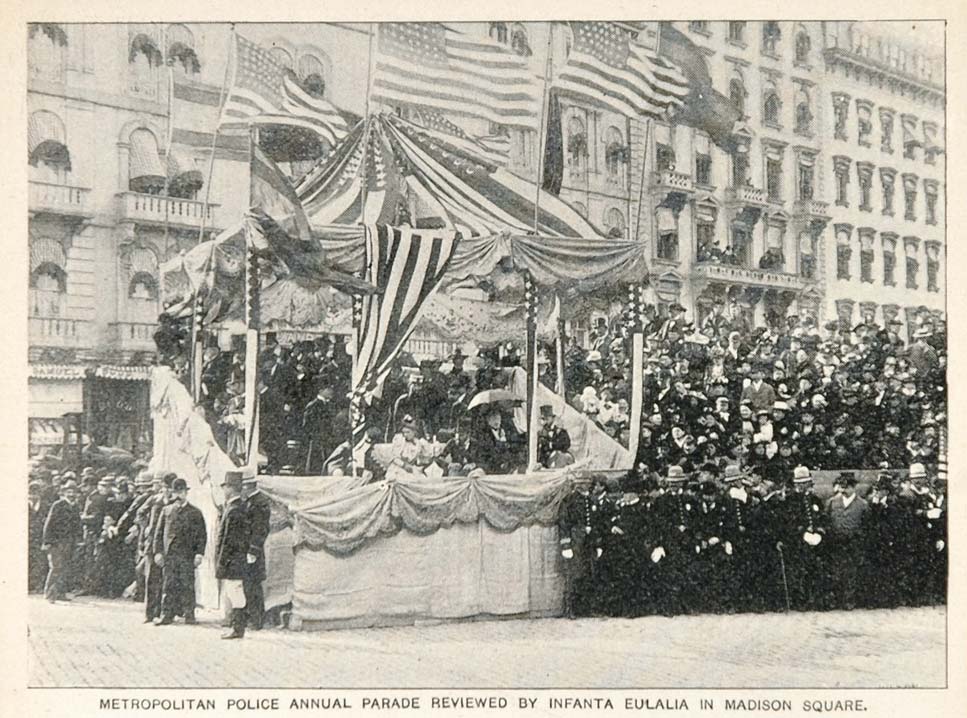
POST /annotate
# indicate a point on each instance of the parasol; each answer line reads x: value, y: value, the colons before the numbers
x: 493, y: 396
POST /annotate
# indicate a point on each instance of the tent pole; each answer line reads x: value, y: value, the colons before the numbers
x: 252, y: 321
x: 560, y: 384
x: 637, y: 371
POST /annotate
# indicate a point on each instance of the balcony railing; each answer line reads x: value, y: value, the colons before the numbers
x: 672, y: 181
x: 733, y: 274
x: 58, y: 199
x: 56, y: 331
x: 811, y: 208
x: 747, y: 195
x: 133, y: 336
x: 154, y: 209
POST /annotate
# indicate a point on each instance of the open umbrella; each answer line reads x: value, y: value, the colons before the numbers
x: 494, y: 396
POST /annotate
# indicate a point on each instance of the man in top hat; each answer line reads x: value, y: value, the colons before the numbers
x: 848, y: 519
x: 179, y: 544
x: 62, y: 534
x: 259, y: 510
x: 553, y: 441
x: 317, y: 425
x: 459, y: 382
x: 232, y: 553
x: 149, y: 516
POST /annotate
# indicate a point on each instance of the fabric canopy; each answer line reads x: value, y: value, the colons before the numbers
x: 144, y: 160
x: 415, y: 176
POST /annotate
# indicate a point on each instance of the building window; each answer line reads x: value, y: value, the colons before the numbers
x: 616, y: 157
x: 933, y: 266
x: 930, y: 147
x: 144, y: 59
x: 614, y: 220
x: 774, y: 179
x: 807, y: 256
x: 741, y: 245
x: 913, y: 268
x: 866, y: 254
x: 664, y: 157
x: 804, y: 119
x: 46, y: 50
x: 930, y: 201
x: 771, y: 109
x: 888, y: 184
x: 886, y: 130
x: 840, y: 114
x: 518, y: 41
x: 841, y: 172
x: 910, y: 197
x: 864, y: 122
x: 737, y: 32
x: 47, y: 151
x: 48, y: 278
x: 667, y: 247
x: 771, y: 34
x: 910, y: 142
x: 703, y: 169
x: 804, y: 189
x: 803, y: 46
x: 145, y: 173
x: 181, y: 52
x: 843, y: 255
x: 705, y: 239
x: 737, y: 95
x: 577, y: 148
x: 498, y: 32
x: 740, y: 169
x: 312, y: 75
x: 889, y: 259
x: 699, y: 26
x: 864, y: 172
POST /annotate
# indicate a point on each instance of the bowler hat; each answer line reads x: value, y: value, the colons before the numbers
x: 676, y: 474
x: 179, y: 485
x: 846, y: 478
x: 69, y: 485
x: 732, y: 472
x: 801, y: 474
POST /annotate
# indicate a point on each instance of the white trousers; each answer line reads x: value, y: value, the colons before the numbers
x: 233, y: 595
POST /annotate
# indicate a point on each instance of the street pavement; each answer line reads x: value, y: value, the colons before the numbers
x: 93, y: 643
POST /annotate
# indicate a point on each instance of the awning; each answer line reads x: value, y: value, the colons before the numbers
x: 123, y: 373
x: 57, y: 372
x: 144, y: 160
x: 46, y: 140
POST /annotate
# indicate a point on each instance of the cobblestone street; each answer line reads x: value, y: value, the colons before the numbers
x: 90, y: 643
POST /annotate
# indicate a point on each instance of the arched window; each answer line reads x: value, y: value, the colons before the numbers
x: 803, y: 46
x: 144, y: 59
x: 48, y: 278
x: 283, y: 56
x: 518, y: 41
x: 145, y: 172
x: 737, y: 95
x: 616, y: 155
x: 47, y: 149
x: 47, y: 50
x: 771, y: 108
x: 577, y: 146
x: 498, y: 32
x: 312, y: 75
x: 142, y: 279
x: 181, y: 53
x: 614, y: 220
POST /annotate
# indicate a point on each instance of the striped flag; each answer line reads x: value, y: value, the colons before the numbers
x: 264, y: 91
x: 492, y: 148
x: 607, y: 68
x: 431, y: 65
x: 407, y: 266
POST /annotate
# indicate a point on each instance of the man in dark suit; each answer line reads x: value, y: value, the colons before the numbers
x: 259, y: 509
x: 231, y: 553
x: 149, y: 516
x: 848, y: 517
x: 37, y: 510
x: 317, y: 426
x: 62, y: 534
x: 179, y: 545
x: 497, y: 447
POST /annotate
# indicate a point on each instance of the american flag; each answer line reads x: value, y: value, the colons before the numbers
x: 607, y: 68
x: 264, y: 91
x: 431, y: 65
x: 493, y: 148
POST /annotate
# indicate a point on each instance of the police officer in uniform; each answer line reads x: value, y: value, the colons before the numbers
x: 231, y: 553
x: 258, y: 507
x: 802, y: 529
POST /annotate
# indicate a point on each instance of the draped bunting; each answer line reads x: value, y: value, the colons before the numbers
x: 343, y: 518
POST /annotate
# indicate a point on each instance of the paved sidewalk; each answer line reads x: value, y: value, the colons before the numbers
x: 104, y: 644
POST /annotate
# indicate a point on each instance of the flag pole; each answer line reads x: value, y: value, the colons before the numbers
x: 252, y: 321
x: 197, y: 339
x: 541, y: 139
x: 644, y: 160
